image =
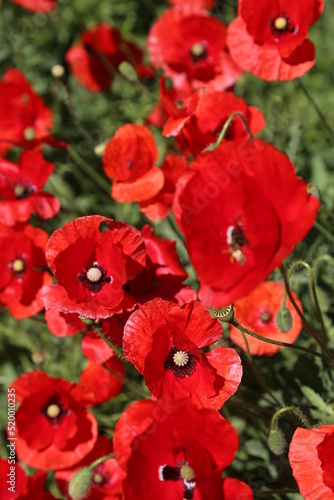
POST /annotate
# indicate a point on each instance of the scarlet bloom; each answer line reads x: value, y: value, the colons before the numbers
x: 20, y: 186
x: 173, y: 451
x: 128, y: 160
x: 37, y: 5
x: 98, y: 54
x: 242, y: 211
x: 163, y: 341
x: 22, y: 260
x: 16, y: 485
x: 268, y: 39
x: 102, y: 383
x: 53, y: 429
x: 206, y: 4
x: 311, y: 459
x: 93, y: 347
x: 107, y: 476
x: 92, y: 267
x: 201, y: 124
x: 25, y: 121
x: 158, y: 207
x: 187, y: 42
x: 257, y: 312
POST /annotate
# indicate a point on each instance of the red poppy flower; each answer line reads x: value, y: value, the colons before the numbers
x: 99, y: 52
x: 37, y: 5
x: 22, y: 278
x: 107, y: 477
x: 206, y: 4
x: 16, y: 485
x: 19, y: 189
x: 233, y: 489
x: 158, y: 207
x: 311, y: 459
x: 102, y: 384
x: 257, y: 312
x: 53, y: 429
x: 163, y: 341
x: 173, y: 451
x: 93, y: 267
x: 93, y: 347
x: 242, y: 212
x: 204, y: 121
x: 268, y: 39
x: 187, y: 41
x: 128, y: 160
x: 25, y: 121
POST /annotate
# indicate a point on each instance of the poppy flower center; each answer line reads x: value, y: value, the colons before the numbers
x: 182, y: 473
x: 18, y: 266
x: 235, y: 239
x: 198, y: 52
x: 29, y: 133
x: 94, y: 277
x: 280, y: 23
x: 23, y: 190
x: 53, y: 411
x: 98, y: 478
x: 266, y: 316
x: 182, y: 363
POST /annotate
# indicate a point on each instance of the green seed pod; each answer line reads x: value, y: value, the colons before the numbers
x: 284, y: 320
x: 80, y: 483
x: 276, y: 441
x: 225, y: 314
x: 128, y: 71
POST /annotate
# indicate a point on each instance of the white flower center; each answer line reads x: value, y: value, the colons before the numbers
x: 29, y: 133
x: 18, y: 266
x: 180, y: 358
x: 280, y: 23
x: 197, y: 49
x: 94, y: 274
x: 53, y: 411
x: 97, y: 478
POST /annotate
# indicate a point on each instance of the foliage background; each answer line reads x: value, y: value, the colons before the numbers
x: 34, y: 43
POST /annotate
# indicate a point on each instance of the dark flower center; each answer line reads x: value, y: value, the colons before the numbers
x: 54, y: 411
x: 198, y: 52
x: 24, y: 190
x: 181, y: 362
x: 94, y: 277
x: 282, y: 24
x: 182, y: 473
x: 266, y: 316
x: 18, y: 268
x: 235, y: 239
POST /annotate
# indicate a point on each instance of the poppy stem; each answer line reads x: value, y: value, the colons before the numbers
x: 306, y: 324
x: 293, y: 409
x: 312, y: 289
x: 100, y: 460
x: 317, y: 109
x: 222, y: 134
x: 90, y: 171
x: 276, y: 342
x: 116, y: 350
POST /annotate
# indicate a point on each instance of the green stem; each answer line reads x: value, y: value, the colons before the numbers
x: 317, y: 109
x: 320, y: 260
x: 90, y: 171
x: 100, y: 460
x: 116, y: 350
x: 213, y: 146
x: 324, y: 231
x: 276, y: 342
x: 306, y: 324
x: 313, y: 291
x: 249, y: 356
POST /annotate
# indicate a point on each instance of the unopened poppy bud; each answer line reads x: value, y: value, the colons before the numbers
x: 313, y: 189
x: 99, y: 149
x: 284, y: 320
x: 58, y: 71
x: 80, y: 483
x: 38, y: 357
x: 276, y: 441
x: 128, y: 71
x: 225, y: 314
